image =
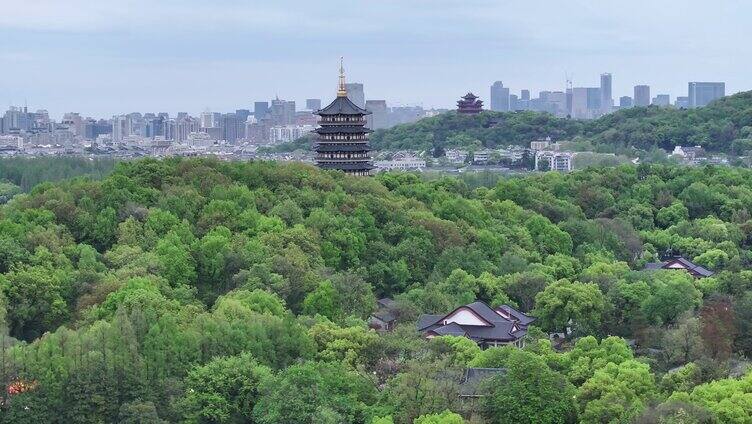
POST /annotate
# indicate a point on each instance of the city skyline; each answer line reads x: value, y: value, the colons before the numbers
x: 101, y: 61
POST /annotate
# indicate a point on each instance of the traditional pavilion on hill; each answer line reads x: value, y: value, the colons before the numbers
x: 343, y: 138
x: 469, y: 103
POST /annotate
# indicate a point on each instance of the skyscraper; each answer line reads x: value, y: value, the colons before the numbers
x: 378, y: 117
x: 313, y: 104
x: 662, y: 100
x: 525, y: 95
x: 702, y: 93
x: 625, y: 102
x: 586, y: 102
x: 356, y: 95
x: 641, y: 95
x: 607, y: 100
x: 260, y: 110
x: 499, y: 97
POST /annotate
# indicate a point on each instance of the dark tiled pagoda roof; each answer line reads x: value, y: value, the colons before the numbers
x: 332, y: 148
x: 342, y: 106
x: 344, y: 129
x: 357, y: 166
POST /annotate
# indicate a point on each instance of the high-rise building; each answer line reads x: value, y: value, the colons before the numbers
x: 313, y: 104
x: 378, y: 118
x: 625, y: 102
x: 120, y: 128
x: 207, y: 119
x: 242, y: 114
x: 343, y: 139
x: 607, y: 100
x: 586, y: 102
x: 356, y: 94
x: 282, y: 112
x: 662, y: 100
x: 499, y: 97
x: 682, y: 102
x: 525, y: 95
x: 260, y: 110
x: 514, y: 102
x: 229, y: 125
x: 702, y: 93
x: 641, y: 95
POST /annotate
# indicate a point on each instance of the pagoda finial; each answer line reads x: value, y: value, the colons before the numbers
x: 341, y: 91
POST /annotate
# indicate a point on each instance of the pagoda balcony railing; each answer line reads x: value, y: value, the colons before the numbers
x: 345, y: 122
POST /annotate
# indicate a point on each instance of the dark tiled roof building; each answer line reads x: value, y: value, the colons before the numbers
x: 480, y: 323
x: 469, y: 103
x: 680, y: 263
x: 343, y: 138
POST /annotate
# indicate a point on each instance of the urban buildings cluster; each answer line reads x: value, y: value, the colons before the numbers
x: 266, y: 123
x: 593, y: 102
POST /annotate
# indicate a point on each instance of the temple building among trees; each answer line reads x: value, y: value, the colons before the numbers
x: 469, y: 103
x: 343, y: 138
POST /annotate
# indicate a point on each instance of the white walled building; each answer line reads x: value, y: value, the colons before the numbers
x: 557, y: 161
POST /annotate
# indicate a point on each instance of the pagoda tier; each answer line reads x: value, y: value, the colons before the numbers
x: 342, y: 142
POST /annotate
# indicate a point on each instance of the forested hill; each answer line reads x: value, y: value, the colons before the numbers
x: 203, y: 291
x: 725, y: 126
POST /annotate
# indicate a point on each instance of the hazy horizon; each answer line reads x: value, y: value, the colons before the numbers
x: 102, y: 58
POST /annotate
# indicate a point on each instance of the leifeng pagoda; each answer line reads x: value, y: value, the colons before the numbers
x: 469, y: 103
x: 343, y: 138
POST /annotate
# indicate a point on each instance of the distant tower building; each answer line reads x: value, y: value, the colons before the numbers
x: 682, y: 102
x: 229, y: 125
x: 499, y: 97
x: 313, y: 104
x: 470, y: 104
x: 586, y: 102
x: 379, y: 114
x: 625, y: 102
x: 662, y: 100
x: 641, y: 95
x: 119, y: 128
x: 513, y: 102
x: 607, y: 100
x: 343, y: 138
x: 525, y: 95
x: 356, y: 95
x: 260, y: 110
x: 702, y: 93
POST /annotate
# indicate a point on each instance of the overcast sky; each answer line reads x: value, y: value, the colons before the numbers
x: 105, y: 57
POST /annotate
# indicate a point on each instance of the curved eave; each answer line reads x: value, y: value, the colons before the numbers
x: 364, y: 166
x: 342, y: 106
x: 344, y: 129
x: 332, y: 148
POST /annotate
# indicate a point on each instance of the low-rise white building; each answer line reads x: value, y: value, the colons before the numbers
x: 481, y: 156
x: 402, y: 164
x: 455, y: 155
x: 556, y: 161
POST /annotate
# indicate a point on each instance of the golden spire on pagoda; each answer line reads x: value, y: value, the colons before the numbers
x: 342, y: 91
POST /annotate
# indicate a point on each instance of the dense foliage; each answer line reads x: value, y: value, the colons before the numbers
x: 28, y: 172
x: 723, y: 126
x: 217, y: 292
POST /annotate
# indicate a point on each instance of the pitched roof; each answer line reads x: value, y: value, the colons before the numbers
x: 685, y: 263
x: 499, y: 328
x: 521, y: 317
x: 342, y: 106
x: 451, y: 329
